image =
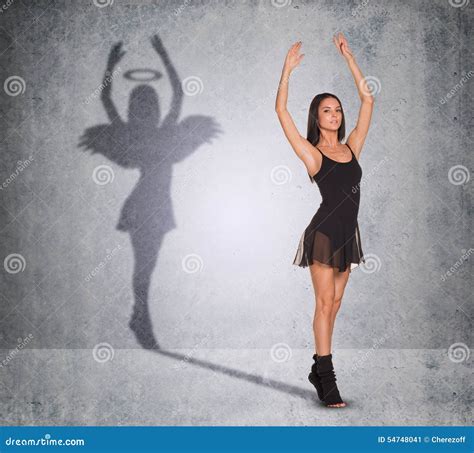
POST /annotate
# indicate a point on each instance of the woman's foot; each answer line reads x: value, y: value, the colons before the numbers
x: 327, y: 377
x: 336, y: 405
x: 314, y: 378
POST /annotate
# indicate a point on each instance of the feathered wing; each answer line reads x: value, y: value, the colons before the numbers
x: 192, y: 132
x: 113, y: 142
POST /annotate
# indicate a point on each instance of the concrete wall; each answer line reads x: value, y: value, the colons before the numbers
x: 212, y: 204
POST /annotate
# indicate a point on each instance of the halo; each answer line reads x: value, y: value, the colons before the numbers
x: 148, y: 75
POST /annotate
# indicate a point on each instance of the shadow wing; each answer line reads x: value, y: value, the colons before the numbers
x: 194, y: 131
x: 113, y: 142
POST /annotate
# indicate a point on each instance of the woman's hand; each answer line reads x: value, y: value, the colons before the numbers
x: 342, y: 46
x: 293, y: 57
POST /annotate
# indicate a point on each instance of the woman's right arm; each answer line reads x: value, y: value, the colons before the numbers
x: 302, y: 147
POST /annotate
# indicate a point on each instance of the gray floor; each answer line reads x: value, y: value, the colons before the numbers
x: 231, y: 387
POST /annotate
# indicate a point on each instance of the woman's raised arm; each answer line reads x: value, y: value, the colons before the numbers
x: 302, y: 147
x: 357, y: 137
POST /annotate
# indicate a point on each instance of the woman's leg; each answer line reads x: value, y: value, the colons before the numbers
x: 324, y: 289
x: 324, y: 282
x: 340, y: 281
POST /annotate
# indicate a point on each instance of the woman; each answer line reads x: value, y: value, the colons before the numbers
x: 330, y: 245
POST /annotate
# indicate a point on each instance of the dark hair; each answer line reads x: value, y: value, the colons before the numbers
x: 313, y: 133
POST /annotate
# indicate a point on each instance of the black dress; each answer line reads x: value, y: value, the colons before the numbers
x: 332, y: 237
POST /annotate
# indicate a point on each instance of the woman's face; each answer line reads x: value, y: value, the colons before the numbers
x: 330, y: 114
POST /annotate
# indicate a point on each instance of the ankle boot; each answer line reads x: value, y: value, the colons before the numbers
x: 314, y: 378
x: 327, y: 378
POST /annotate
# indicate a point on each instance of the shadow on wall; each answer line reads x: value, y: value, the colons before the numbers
x: 152, y: 147
x: 147, y: 214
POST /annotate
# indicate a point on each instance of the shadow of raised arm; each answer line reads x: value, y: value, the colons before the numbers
x: 177, y: 100
x: 115, y: 56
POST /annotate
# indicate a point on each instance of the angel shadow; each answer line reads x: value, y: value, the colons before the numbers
x: 146, y: 143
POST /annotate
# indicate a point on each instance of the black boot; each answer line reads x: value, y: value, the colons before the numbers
x: 314, y: 378
x: 327, y: 378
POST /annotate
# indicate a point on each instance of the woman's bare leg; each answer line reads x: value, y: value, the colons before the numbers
x: 340, y: 281
x: 326, y: 291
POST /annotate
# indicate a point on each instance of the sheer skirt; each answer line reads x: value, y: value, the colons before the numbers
x: 317, y: 246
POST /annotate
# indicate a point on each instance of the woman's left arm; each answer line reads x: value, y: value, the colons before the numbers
x: 357, y: 137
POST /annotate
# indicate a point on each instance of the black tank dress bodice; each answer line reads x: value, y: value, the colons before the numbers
x: 332, y: 237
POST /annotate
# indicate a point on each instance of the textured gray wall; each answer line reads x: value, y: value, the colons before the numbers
x: 219, y: 196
